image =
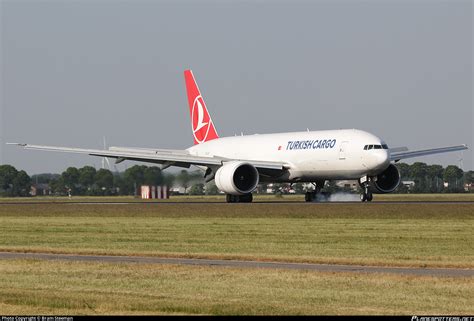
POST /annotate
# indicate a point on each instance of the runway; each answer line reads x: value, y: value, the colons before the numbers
x: 223, y: 202
x: 333, y: 268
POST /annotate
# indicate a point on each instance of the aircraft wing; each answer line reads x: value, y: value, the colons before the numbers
x: 166, y: 157
x: 402, y: 155
x: 398, y: 149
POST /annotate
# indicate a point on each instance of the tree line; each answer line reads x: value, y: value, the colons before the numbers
x: 103, y: 182
x: 431, y: 178
x: 88, y: 181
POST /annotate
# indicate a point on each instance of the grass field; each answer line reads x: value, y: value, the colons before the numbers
x: 437, y: 235
x: 45, y: 287
x: 425, y: 235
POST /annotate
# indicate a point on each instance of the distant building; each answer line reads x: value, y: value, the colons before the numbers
x: 469, y: 187
x: 270, y: 188
x: 283, y: 188
x: 408, y: 184
x: 348, y: 184
x: 177, y: 190
x: 154, y: 192
x: 40, y: 190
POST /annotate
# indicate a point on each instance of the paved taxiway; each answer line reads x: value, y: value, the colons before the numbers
x: 440, y: 272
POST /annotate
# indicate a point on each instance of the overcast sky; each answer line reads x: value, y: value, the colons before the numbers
x: 75, y: 71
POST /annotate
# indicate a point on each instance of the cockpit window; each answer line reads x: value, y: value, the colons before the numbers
x: 367, y: 147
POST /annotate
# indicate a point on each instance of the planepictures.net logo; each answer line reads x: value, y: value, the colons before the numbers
x: 444, y: 318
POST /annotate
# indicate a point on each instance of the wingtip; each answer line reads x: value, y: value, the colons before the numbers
x: 17, y: 144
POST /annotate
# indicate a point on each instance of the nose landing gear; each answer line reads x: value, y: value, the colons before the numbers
x: 366, y: 195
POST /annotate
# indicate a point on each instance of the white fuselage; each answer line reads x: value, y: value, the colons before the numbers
x: 310, y: 155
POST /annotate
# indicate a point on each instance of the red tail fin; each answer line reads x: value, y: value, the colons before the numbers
x: 201, y: 122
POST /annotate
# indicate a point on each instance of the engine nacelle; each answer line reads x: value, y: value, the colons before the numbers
x: 388, y: 180
x: 237, y: 178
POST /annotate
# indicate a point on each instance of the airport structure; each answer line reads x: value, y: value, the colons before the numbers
x: 154, y: 192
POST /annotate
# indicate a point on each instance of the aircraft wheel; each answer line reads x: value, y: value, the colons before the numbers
x: 232, y: 198
x: 310, y: 196
x: 369, y: 197
x: 247, y: 198
x: 363, y: 197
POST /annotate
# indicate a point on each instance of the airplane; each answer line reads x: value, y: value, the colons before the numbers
x: 238, y: 164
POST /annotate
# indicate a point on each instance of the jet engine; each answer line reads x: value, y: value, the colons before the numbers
x: 388, y: 180
x: 237, y: 178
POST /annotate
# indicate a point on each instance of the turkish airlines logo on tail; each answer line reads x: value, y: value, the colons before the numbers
x: 200, y: 120
x: 203, y: 128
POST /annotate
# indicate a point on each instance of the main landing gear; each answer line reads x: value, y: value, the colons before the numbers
x: 246, y: 198
x: 313, y: 195
x: 310, y: 196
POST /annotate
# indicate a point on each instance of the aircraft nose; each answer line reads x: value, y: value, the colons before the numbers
x: 382, y: 159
